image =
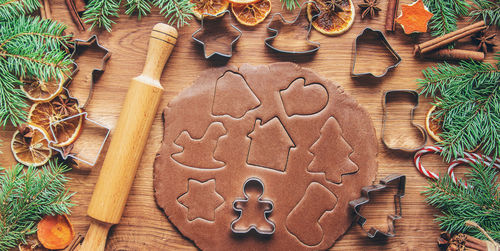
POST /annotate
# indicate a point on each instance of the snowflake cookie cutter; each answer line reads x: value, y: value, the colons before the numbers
x: 413, y: 96
x: 96, y: 72
x: 267, y: 212
x: 269, y: 41
x: 216, y: 18
x: 365, y: 198
x: 379, y: 36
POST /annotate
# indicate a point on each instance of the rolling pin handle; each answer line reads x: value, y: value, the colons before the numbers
x: 95, y: 239
x: 161, y: 43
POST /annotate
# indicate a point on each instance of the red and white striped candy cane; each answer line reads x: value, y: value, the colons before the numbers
x: 457, y: 162
x: 418, y: 162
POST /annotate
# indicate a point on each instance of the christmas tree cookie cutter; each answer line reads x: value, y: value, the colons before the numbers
x: 413, y: 96
x: 214, y: 21
x: 275, y: 31
x: 365, y: 198
x: 379, y: 36
x: 246, y: 186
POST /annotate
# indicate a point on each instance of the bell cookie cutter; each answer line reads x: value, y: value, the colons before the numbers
x: 269, y: 40
x: 260, y: 200
x: 96, y: 72
x: 365, y: 198
x: 380, y: 36
x: 414, y: 97
x: 212, y: 17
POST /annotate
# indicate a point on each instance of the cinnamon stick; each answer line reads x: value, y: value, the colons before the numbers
x: 74, y: 14
x: 42, y: 10
x: 390, y: 18
x: 449, y: 38
x: 48, y: 11
x: 456, y: 54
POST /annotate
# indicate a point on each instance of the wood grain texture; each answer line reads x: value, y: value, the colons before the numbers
x: 143, y: 226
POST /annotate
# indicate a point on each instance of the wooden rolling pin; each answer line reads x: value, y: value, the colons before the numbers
x: 128, y: 141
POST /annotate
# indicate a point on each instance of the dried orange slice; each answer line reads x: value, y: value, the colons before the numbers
x: 251, y: 14
x: 42, y: 91
x: 58, y: 111
x: 212, y: 7
x: 336, y: 17
x: 243, y: 1
x: 55, y: 232
x: 432, y: 125
x: 30, y: 145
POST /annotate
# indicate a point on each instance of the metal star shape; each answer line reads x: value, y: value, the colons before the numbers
x: 201, y: 200
x: 414, y: 17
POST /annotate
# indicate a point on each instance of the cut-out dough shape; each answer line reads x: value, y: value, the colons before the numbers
x: 233, y: 97
x: 201, y: 200
x: 199, y: 153
x: 333, y: 161
x: 303, y: 221
x: 270, y: 145
x: 253, y: 210
x: 301, y: 99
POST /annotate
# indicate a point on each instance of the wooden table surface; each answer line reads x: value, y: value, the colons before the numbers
x: 145, y: 227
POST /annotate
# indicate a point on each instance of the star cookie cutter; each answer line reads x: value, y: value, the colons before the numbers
x: 267, y: 212
x: 214, y: 19
x: 365, y: 198
x: 413, y: 96
x: 96, y: 72
x: 269, y: 41
x: 379, y: 36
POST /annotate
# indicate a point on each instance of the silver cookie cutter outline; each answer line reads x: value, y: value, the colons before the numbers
x: 266, y: 212
x: 203, y: 44
x: 271, y: 38
x: 381, y: 37
x: 74, y: 156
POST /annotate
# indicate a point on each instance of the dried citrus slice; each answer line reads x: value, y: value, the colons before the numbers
x: 251, y: 14
x: 243, y: 1
x: 42, y: 91
x: 432, y: 125
x: 58, y: 111
x: 336, y: 17
x: 30, y: 145
x: 55, y: 232
x: 212, y: 7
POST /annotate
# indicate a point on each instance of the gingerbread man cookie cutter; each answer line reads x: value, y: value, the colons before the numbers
x: 365, y: 198
x: 267, y: 212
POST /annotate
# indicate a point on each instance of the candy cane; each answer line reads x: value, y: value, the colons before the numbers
x: 457, y: 162
x: 418, y: 162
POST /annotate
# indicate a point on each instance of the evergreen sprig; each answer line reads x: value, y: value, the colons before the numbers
x: 175, y: 11
x: 30, y: 48
x: 100, y: 12
x: 26, y: 195
x: 488, y: 10
x: 446, y: 14
x: 480, y: 202
x: 141, y: 7
x: 10, y: 9
x: 468, y: 98
x: 290, y: 4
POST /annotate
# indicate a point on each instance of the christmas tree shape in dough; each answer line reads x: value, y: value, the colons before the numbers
x: 201, y: 200
x: 331, y: 153
x: 199, y: 153
x: 233, y: 96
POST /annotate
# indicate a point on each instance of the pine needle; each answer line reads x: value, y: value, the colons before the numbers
x: 290, y: 4
x: 10, y: 9
x: 140, y: 7
x: 100, y: 12
x: 176, y: 12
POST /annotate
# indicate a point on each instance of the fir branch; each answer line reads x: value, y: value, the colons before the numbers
x: 468, y: 97
x: 100, y: 12
x: 26, y: 196
x: 488, y: 10
x: 141, y: 7
x: 10, y: 9
x: 479, y: 202
x: 445, y: 15
x: 177, y: 12
x: 290, y: 4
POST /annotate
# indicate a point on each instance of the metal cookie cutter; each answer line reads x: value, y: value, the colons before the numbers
x: 248, y: 183
x: 96, y: 72
x: 274, y: 28
x: 414, y: 97
x: 379, y: 36
x: 365, y: 198
x: 216, y: 34
x: 86, y: 148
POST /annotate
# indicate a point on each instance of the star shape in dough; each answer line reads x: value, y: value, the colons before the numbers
x: 414, y: 17
x: 201, y: 200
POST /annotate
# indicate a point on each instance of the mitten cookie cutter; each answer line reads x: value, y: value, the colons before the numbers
x: 96, y: 72
x: 269, y: 40
x: 414, y: 97
x: 204, y: 44
x: 240, y: 211
x: 380, y: 36
x: 365, y: 198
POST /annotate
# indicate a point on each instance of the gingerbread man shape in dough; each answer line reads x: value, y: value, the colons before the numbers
x: 253, y: 210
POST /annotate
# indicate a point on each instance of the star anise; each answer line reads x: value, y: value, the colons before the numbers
x: 369, y: 7
x: 484, y: 40
x: 64, y: 105
x: 333, y: 5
